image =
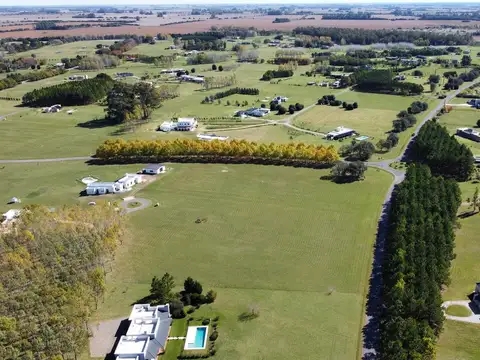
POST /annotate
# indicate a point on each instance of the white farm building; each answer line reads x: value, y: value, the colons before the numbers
x: 121, y: 185
x: 154, y: 169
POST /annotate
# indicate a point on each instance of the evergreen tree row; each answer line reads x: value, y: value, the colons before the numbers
x: 16, y: 78
x: 237, y: 90
x: 442, y: 153
x: 71, y: 93
x: 419, y: 249
x: 273, y: 74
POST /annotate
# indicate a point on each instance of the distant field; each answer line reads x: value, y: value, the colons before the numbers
x: 260, y: 22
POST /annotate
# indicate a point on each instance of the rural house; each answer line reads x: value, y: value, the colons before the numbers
x: 153, y: 169
x: 186, y: 124
x: 121, y: 185
x: 147, y: 333
x: 469, y: 133
x: 340, y: 133
x: 78, y: 77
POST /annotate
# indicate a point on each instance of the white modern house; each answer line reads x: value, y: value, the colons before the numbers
x: 123, y: 184
x: 52, y: 109
x: 186, y: 124
x: 340, y: 133
x: 167, y: 126
x: 147, y: 334
x: 154, y: 169
x: 194, y: 79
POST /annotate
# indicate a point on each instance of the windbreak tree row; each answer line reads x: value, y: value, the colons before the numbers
x: 444, y: 155
x: 419, y: 249
x: 120, y: 150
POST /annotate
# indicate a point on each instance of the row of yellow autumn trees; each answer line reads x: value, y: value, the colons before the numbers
x: 120, y: 149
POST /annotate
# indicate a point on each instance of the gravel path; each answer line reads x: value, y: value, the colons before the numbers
x: 473, y: 318
x: 144, y: 204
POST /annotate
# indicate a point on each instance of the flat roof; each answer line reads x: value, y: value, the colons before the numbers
x: 142, y: 326
x: 101, y: 184
x: 154, y: 166
x: 130, y: 345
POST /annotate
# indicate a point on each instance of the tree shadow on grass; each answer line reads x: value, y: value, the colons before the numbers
x: 96, y: 123
x: 467, y: 214
x: 247, y: 316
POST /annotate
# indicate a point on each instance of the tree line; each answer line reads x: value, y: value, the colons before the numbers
x: 419, y: 250
x: 13, y: 79
x: 444, y: 155
x: 119, y: 150
x: 273, y: 74
x: 368, y: 37
x: 71, y: 93
x: 52, y: 276
x: 382, y: 81
x: 233, y: 91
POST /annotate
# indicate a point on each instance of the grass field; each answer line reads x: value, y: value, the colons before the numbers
x: 283, y: 256
x: 459, y: 340
x: 458, y: 310
x: 462, y: 117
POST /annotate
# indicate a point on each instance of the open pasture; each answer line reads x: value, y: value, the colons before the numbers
x: 461, y: 117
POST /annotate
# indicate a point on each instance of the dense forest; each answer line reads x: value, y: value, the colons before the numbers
x: 71, y: 93
x: 52, y: 275
x: 442, y: 153
x: 382, y: 81
x: 120, y: 150
x: 419, y: 249
x: 367, y: 37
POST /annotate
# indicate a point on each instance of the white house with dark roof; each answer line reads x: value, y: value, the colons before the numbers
x: 153, y: 169
x: 147, y: 334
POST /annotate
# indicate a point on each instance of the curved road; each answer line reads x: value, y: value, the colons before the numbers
x: 144, y: 203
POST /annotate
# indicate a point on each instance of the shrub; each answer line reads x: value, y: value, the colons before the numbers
x: 281, y: 110
x: 344, y: 104
x: 177, y: 310
x: 214, y: 67
x: 291, y: 111
x: 216, y: 318
x: 220, y: 68
x: 191, y: 310
x: 192, y: 70
x: 263, y: 106
x: 417, y: 107
x: 349, y: 107
x: 206, y: 322
x: 213, y: 336
x: 417, y: 73
x: 299, y: 107
x: 355, y: 105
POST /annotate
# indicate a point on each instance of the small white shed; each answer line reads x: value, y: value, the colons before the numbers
x: 154, y: 169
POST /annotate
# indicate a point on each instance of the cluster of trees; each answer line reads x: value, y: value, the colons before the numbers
x: 444, y: 155
x: 216, y: 82
x: 417, y: 107
x: 281, y: 20
x: 387, y: 144
x: 382, y: 81
x: 348, y: 171
x: 71, y: 93
x: 350, y: 16
x: 98, y: 62
x: 126, y: 102
x: 349, y: 107
x: 367, y: 37
x: 342, y: 60
x: 120, y: 47
x: 357, y: 150
x: 120, y: 150
x: 332, y: 101
x: 410, y: 52
x: 14, y: 79
x: 204, y: 45
x: 454, y: 81
x: 419, y: 250
x: 273, y: 74
x: 161, y: 292
x: 229, y: 92
x: 288, y: 55
x: 403, y: 121
x: 274, y: 106
x: 204, y: 58
x: 52, y: 276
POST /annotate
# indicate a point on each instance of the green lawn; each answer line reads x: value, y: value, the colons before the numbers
x: 254, y: 249
x: 462, y: 117
x: 459, y: 341
x: 458, y: 310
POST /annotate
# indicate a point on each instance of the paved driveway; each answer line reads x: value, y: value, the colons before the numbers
x: 104, y: 336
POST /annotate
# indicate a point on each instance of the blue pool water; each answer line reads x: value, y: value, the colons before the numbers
x: 200, y: 337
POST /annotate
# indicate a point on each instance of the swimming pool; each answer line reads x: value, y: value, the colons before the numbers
x: 196, y: 338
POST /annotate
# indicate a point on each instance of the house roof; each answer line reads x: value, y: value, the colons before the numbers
x: 100, y: 184
x: 154, y: 166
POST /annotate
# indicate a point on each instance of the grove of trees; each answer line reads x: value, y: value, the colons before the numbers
x: 419, y: 250
x: 71, y: 93
x: 14, y: 79
x: 233, y: 91
x: 119, y: 151
x: 444, y: 155
x: 382, y: 81
x: 52, y: 275
x: 273, y: 74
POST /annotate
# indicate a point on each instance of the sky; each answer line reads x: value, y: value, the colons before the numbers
x: 204, y: 2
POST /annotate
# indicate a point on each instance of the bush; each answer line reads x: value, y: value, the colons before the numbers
x: 299, y: 107
x: 417, y: 107
x: 220, y: 68
x: 281, y: 110
x: 213, y: 336
x: 206, y: 322
x: 291, y: 110
x: 177, y: 310
x: 344, y: 104
x: 349, y: 107
x: 417, y: 73
x: 210, y: 297
x: 355, y: 105
x: 216, y: 318
x: 192, y: 70
x: 263, y: 106
x: 214, y: 67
